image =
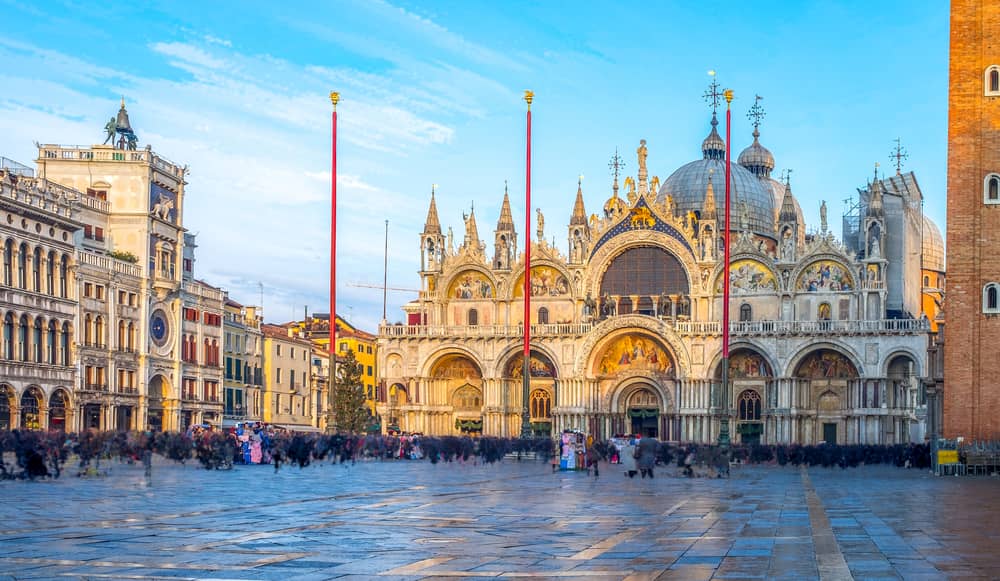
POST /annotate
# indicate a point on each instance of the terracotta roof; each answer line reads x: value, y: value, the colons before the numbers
x: 279, y: 332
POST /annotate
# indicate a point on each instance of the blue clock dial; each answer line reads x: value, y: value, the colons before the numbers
x: 158, y: 327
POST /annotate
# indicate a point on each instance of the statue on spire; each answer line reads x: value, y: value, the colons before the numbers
x: 641, y: 153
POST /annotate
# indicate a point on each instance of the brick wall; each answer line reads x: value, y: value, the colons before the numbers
x: 972, y: 355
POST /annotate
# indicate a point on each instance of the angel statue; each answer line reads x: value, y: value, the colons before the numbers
x: 110, y: 129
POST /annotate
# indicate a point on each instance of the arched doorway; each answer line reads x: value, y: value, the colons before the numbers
x: 467, y: 401
x: 903, y: 393
x: 829, y: 374
x: 750, y: 375
x: 643, y: 410
x: 457, y: 381
x: 57, y: 411
x: 748, y: 416
x: 6, y: 399
x: 542, y: 388
x: 158, y: 387
x: 31, y: 403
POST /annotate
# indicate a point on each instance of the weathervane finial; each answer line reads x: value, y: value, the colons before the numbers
x: 898, y: 154
x: 755, y: 114
x: 712, y: 94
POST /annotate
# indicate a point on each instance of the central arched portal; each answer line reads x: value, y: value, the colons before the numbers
x: 636, y: 371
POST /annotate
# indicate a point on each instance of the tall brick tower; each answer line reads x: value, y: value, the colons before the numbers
x: 972, y: 304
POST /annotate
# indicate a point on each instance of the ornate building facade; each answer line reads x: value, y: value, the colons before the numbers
x: 828, y: 341
x: 38, y: 302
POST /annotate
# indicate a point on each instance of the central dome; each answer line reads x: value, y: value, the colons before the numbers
x: 687, y: 186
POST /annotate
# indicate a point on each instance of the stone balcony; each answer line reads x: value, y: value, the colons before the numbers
x: 683, y: 328
x: 108, y: 263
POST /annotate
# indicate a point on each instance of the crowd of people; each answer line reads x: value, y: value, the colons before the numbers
x: 40, y: 454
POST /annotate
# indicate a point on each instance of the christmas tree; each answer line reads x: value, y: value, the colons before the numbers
x: 350, y: 412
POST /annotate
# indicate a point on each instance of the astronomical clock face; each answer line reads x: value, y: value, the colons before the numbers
x: 159, y: 328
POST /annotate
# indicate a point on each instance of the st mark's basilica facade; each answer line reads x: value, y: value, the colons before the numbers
x: 829, y: 339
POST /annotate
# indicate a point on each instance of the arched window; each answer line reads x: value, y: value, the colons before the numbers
x: 543, y: 316
x: 36, y: 340
x: 88, y: 330
x: 646, y: 271
x: 749, y: 406
x: 8, y: 337
x: 63, y: 276
x: 22, y: 266
x: 123, y: 342
x: 131, y: 338
x: 22, y: 338
x: 99, y: 331
x: 991, y: 189
x: 746, y: 313
x: 991, y: 84
x: 927, y: 281
x: 64, y: 344
x: 50, y: 355
x: 36, y: 271
x: 50, y: 273
x: 57, y: 411
x: 541, y: 405
x: 207, y: 352
x: 8, y: 263
x: 29, y: 410
x: 825, y: 312
x: 473, y: 317
x: 991, y: 298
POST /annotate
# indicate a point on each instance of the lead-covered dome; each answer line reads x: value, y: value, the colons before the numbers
x: 757, y: 158
x: 687, y: 186
x: 933, y: 247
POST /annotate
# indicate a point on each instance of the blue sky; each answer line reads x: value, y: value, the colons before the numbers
x: 431, y: 93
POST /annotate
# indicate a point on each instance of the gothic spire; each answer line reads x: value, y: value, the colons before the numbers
x: 579, y: 217
x: 788, y: 213
x: 471, y: 230
x: 506, y: 221
x: 708, y: 212
x: 432, y: 225
x: 875, y: 198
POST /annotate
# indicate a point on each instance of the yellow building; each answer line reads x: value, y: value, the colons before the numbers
x: 316, y: 328
x: 287, y: 399
x: 365, y: 347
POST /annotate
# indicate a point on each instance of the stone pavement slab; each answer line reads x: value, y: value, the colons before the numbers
x: 413, y: 520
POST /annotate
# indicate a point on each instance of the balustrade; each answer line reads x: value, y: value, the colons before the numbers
x: 739, y: 328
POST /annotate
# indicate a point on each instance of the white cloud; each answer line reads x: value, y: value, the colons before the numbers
x: 247, y: 126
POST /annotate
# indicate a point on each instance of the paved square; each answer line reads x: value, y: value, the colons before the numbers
x: 414, y: 520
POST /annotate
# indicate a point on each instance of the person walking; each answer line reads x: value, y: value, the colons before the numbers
x: 627, y: 457
x: 646, y: 457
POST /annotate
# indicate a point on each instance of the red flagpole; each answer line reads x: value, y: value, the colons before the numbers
x: 724, y: 423
x: 334, y: 98
x: 526, y: 369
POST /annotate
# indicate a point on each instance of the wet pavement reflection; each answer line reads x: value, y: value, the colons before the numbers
x: 414, y: 520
